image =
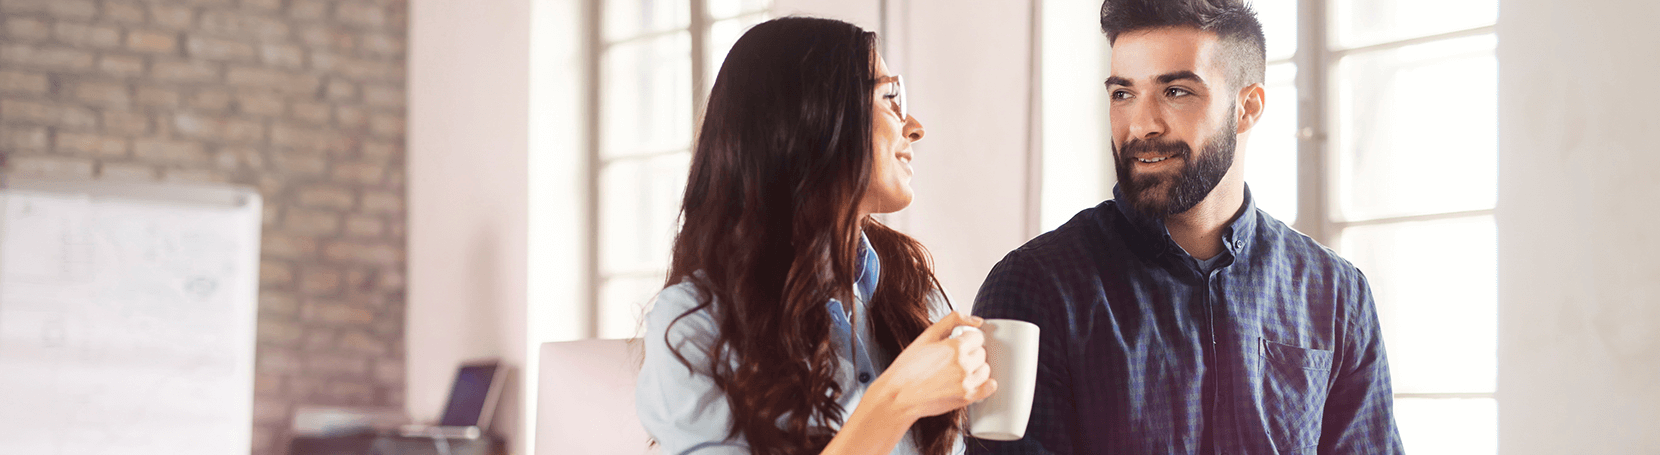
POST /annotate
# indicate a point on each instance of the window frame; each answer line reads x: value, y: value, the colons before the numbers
x: 1319, y: 154
x: 700, y: 23
x: 1317, y: 60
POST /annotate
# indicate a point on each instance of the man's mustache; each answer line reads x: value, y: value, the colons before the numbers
x: 1139, y: 147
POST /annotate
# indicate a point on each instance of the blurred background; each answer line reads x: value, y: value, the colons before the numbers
x: 448, y: 180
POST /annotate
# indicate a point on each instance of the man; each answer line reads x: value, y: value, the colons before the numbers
x: 1177, y: 318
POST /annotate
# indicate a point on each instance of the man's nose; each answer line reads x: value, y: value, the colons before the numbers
x: 1146, y: 122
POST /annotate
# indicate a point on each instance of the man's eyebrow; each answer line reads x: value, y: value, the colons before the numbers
x: 1162, y: 79
x: 1179, y: 75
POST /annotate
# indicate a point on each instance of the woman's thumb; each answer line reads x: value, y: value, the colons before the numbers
x: 942, y: 329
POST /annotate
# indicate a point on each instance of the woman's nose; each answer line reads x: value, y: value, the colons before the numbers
x: 913, y: 129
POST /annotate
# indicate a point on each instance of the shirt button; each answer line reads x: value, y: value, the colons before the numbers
x: 864, y: 377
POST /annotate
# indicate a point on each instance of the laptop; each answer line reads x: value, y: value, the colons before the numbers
x: 472, y: 403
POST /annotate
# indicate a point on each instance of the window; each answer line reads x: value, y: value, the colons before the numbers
x: 656, y: 61
x: 1380, y: 141
x: 1399, y: 161
x: 1412, y: 180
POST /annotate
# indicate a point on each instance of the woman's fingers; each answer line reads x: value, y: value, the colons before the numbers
x: 937, y: 359
x: 986, y: 389
x: 970, y: 339
x: 972, y: 358
x: 979, y: 375
x: 976, y: 379
x: 942, y: 329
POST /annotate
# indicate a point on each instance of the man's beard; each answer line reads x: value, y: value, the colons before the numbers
x: 1197, y: 177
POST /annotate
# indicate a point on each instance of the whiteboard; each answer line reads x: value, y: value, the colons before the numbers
x: 127, y: 318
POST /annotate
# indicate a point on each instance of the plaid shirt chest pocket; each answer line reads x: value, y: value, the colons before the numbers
x: 1295, y: 382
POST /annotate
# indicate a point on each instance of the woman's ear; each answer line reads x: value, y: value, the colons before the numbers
x: 1251, y: 100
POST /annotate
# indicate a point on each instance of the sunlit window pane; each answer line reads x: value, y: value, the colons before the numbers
x: 648, y: 96
x: 1448, y: 426
x: 626, y: 299
x: 1271, y: 153
x: 1418, y: 129
x: 721, y: 37
x: 1363, y: 22
x: 639, y: 209
x: 1077, y: 154
x: 722, y: 9
x: 1279, y: 26
x: 630, y: 18
x: 646, y: 120
x: 1437, y: 291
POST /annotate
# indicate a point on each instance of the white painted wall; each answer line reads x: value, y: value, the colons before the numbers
x: 1579, y: 286
x: 1077, y: 171
x: 969, y: 79
x: 558, y: 187
x: 968, y: 74
x: 468, y: 194
x: 557, y: 302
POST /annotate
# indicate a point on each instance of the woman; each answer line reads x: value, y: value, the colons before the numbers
x: 786, y: 302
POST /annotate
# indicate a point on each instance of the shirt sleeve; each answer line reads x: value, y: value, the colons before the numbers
x: 1019, y: 289
x: 940, y: 304
x: 1359, y: 409
x: 680, y: 406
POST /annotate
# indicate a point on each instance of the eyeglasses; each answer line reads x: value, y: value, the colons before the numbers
x: 896, y: 94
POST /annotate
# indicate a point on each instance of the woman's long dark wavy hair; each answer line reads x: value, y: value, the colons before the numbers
x: 771, y: 228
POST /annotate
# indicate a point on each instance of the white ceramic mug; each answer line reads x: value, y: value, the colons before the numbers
x: 1012, y: 352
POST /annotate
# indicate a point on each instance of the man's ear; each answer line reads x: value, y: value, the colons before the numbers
x: 1251, y: 100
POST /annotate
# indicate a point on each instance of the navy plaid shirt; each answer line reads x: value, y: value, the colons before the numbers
x: 1276, y: 350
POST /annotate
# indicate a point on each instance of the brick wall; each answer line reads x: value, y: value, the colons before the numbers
x: 303, y: 99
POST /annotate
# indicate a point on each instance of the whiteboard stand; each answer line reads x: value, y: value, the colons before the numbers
x: 127, y: 317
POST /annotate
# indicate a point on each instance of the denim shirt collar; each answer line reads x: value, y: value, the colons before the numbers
x: 1236, y: 239
x: 867, y: 269
x: 855, y: 341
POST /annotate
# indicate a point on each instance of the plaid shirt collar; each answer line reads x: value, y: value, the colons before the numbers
x: 1156, y: 239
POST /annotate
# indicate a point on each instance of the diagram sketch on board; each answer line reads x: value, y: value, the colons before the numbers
x: 127, y: 318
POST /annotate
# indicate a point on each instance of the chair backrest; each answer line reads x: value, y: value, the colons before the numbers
x: 585, y: 400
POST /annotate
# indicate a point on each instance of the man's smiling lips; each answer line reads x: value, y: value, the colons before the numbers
x: 1148, y: 154
x: 1155, y: 161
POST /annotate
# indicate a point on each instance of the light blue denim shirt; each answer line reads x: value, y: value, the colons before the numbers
x: 681, y: 407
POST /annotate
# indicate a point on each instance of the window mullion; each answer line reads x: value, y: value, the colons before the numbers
x: 700, y: 56
x: 1447, y: 396
x: 594, y: 54
x: 1397, y: 44
x: 1413, y: 218
x: 1314, y: 217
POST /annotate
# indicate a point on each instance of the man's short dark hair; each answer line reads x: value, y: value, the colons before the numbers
x: 1243, y: 47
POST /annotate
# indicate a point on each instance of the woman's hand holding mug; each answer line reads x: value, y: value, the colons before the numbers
x: 942, y: 370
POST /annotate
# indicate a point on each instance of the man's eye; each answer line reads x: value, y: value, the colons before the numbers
x: 1175, y: 92
x: 1120, y: 95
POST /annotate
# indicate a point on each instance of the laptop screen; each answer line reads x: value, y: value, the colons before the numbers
x: 468, y: 397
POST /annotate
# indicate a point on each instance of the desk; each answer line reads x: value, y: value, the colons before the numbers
x: 373, y: 444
